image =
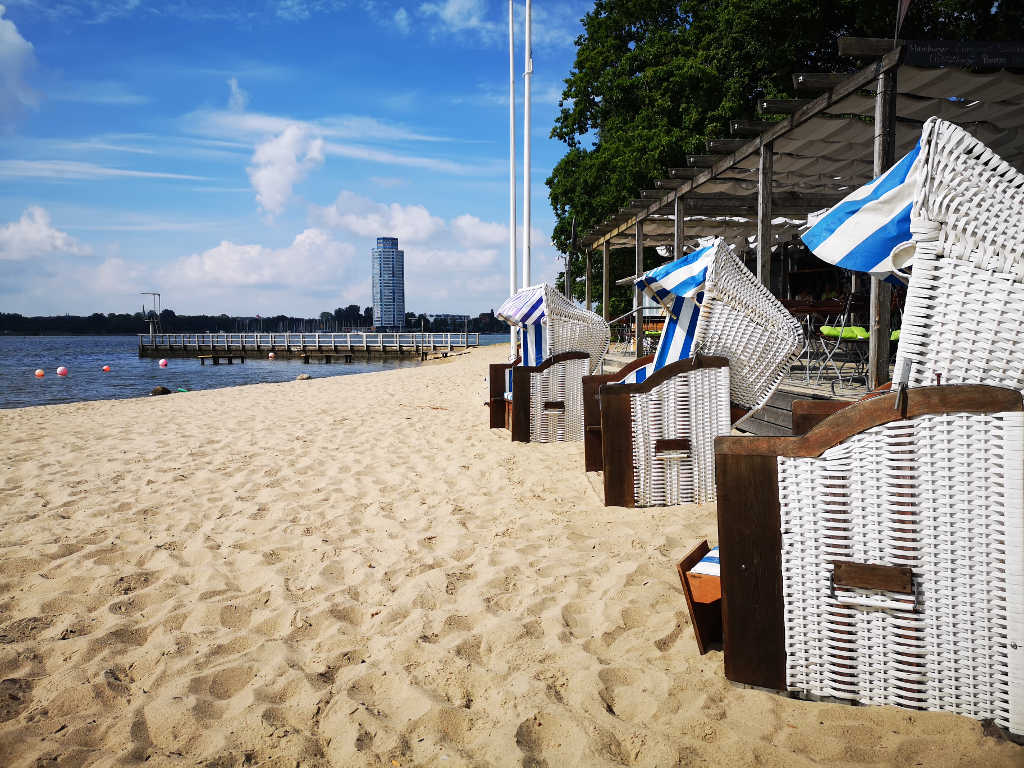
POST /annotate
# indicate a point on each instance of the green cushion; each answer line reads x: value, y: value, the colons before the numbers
x: 852, y: 332
x: 895, y: 335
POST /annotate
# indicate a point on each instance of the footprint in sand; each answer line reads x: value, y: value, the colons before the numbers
x: 15, y: 695
x: 25, y: 629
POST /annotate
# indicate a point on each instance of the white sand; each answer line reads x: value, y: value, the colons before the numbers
x: 356, y: 571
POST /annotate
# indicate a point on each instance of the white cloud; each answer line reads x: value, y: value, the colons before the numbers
x: 33, y: 236
x: 402, y: 23
x: 373, y: 155
x: 254, y: 125
x: 471, y: 230
x: 281, y: 162
x: 313, y: 259
x: 461, y: 16
x: 98, y: 92
x: 412, y: 223
x: 70, y: 169
x: 17, y: 58
x: 238, y: 99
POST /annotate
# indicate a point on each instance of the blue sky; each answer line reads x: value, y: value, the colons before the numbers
x: 242, y: 157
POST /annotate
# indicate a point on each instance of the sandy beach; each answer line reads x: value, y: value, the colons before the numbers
x: 356, y: 571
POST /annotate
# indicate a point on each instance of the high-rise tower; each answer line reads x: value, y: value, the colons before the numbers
x: 388, y: 283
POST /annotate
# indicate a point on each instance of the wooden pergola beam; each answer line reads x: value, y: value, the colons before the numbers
x: 749, y: 128
x: 700, y: 161
x: 855, y: 82
x: 780, y: 106
x: 724, y: 146
x: 818, y: 81
x: 664, y: 184
x: 683, y: 173
x: 867, y: 47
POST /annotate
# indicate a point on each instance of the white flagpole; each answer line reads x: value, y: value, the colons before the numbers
x: 512, y: 273
x: 527, y: 75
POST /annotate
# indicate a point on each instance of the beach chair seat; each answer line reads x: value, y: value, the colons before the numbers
x: 539, y: 396
x: 879, y: 558
x: 657, y: 426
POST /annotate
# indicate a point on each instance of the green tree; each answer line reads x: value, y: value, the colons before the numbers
x: 653, y: 80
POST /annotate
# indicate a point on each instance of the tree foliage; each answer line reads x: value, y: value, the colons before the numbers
x: 653, y: 80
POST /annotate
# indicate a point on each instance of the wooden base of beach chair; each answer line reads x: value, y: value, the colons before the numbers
x: 496, y: 386
x: 592, y: 457
x: 703, y: 599
x: 766, y: 610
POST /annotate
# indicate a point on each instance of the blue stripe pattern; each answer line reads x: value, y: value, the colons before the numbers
x: 678, y: 286
x: 861, y: 232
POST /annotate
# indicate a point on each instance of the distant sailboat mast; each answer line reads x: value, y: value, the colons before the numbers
x: 512, y: 272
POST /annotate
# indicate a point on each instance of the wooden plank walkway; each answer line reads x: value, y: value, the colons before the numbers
x: 327, y: 346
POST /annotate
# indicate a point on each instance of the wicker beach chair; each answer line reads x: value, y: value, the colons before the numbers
x: 879, y: 558
x: 539, y: 397
x: 658, y: 427
x: 886, y: 564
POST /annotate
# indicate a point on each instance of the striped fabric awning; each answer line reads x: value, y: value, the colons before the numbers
x: 677, y: 286
x: 869, y: 230
x: 524, y: 307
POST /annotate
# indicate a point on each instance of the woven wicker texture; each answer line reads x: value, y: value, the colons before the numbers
x: 965, y: 303
x: 692, y: 406
x: 741, y: 321
x: 561, y: 383
x: 569, y: 328
x: 942, y: 495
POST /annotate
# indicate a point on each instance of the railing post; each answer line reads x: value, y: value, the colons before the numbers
x: 881, y: 292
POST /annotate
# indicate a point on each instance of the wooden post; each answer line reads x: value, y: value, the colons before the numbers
x: 637, y: 296
x: 764, y: 215
x: 881, y: 292
x: 586, y: 282
x: 677, y: 229
x: 605, y: 283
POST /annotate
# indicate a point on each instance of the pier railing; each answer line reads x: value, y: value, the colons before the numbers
x: 308, y: 341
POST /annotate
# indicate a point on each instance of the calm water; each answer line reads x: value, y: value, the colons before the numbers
x: 131, y: 376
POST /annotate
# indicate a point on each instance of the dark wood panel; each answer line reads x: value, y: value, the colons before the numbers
x: 617, y: 445
x: 810, y: 413
x: 750, y: 544
x: 757, y: 428
x: 894, y: 578
x: 782, y: 417
x: 784, y: 398
x: 672, y: 444
x: 706, y: 618
x: 521, y: 404
x: 496, y: 392
x: 860, y: 416
x: 554, y: 405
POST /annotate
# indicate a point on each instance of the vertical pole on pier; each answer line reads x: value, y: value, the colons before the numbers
x: 527, y: 76
x: 586, y: 282
x: 881, y: 292
x: 606, y: 283
x: 764, y: 215
x: 637, y: 296
x: 677, y: 228
x: 513, y: 277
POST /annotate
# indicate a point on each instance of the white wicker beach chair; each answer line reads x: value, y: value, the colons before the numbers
x: 901, y: 566
x: 657, y: 432
x: 539, y: 397
x: 965, y: 304
x: 879, y: 558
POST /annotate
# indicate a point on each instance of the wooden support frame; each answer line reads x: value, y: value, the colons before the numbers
x: 605, y: 283
x: 764, y: 214
x: 592, y: 457
x: 749, y: 523
x: 586, y: 281
x: 815, y: 107
x: 496, y: 392
x: 637, y: 296
x: 678, y: 225
x: 521, y: 392
x: 705, y: 618
x: 881, y: 292
x: 617, y: 429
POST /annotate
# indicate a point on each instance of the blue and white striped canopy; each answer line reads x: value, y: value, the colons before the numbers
x: 678, y: 286
x: 872, y: 224
x: 527, y: 309
x: 524, y: 307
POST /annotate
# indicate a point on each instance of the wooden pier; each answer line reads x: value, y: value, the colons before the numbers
x: 325, y: 347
